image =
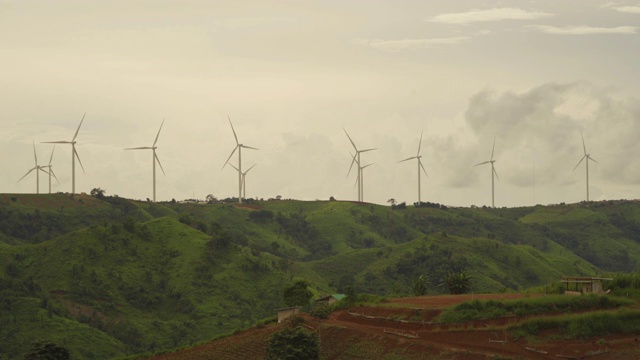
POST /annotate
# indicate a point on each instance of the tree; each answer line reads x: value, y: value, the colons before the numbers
x: 46, y: 350
x: 293, y: 343
x: 457, y: 283
x: 98, y: 193
x: 392, y: 201
x: 420, y: 286
x: 320, y: 311
x: 297, y: 294
x: 211, y: 199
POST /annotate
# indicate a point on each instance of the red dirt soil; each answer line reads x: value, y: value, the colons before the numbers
x: 397, y: 331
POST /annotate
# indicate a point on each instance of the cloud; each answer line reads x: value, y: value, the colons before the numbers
x: 411, y: 44
x: 497, y: 14
x: 584, y: 30
x: 634, y: 9
x: 542, y: 126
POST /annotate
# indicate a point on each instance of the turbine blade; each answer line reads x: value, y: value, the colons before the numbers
x: 366, y: 166
x: 78, y: 157
x: 25, y: 175
x: 74, y: 136
x: 229, y: 158
x: 234, y: 131
x: 419, y: 144
x: 368, y: 150
x: 425, y: 171
x: 34, y: 153
x: 249, y: 147
x: 574, y: 169
x: 482, y: 163
x: 493, y: 148
x: 54, y: 175
x: 158, y: 160
x: 584, y: 147
x: 352, y: 162
x: 495, y: 172
x: 140, y: 148
x: 56, y: 142
x: 41, y: 168
x: 234, y: 167
x: 592, y: 159
x: 51, y: 158
x: 352, y: 143
x: 154, y: 143
x: 245, y: 173
x: 413, y: 157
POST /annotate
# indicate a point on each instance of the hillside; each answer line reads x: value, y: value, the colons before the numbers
x: 110, y: 277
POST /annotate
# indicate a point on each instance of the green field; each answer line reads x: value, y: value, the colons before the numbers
x: 112, y: 277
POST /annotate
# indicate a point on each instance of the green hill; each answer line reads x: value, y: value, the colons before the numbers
x: 111, y: 277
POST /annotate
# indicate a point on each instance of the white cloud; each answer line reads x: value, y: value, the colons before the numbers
x: 584, y: 30
x: 411, y: 44
x: 633, y: 9
x: 488, y: 15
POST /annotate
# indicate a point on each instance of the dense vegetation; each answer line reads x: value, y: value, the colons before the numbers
x: 105, y: 277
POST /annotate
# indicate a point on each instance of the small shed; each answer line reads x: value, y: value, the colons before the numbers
x: 330, y: 299
x: 286, y: 313
x: 583, y: 285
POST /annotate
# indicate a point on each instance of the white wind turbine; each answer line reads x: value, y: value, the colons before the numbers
x: 244, y: 179
x: 154, y: 159
x: 493, y: 173
x: 37, y: 168
x: 420, y: 167
x: 238, y: 147
x: 588, y: 157
x: 74, y: 155
x: 356, y: 159
x: 50, y: 172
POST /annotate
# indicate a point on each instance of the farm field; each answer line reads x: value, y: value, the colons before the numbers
x: 407, y: 328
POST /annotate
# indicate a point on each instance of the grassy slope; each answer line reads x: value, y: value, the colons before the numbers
x: 165, y: 287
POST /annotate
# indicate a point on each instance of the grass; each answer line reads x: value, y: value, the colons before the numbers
x: 475, y: 310
x: 581, y: 326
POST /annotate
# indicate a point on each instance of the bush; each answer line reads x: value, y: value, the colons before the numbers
x: 293, y: 343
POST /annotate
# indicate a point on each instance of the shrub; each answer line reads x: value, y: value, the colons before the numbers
x: 293, y: 343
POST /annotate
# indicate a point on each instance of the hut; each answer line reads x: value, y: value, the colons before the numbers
x: 583, y: 285
x: 286, y: 313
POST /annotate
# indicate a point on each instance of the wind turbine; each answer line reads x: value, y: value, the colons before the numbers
x: 74, y: 155
x: 244, y: 179
x: 420, y: 166
x: 238, y: 147
x: 493, y: 172
x: 50, y: 172
x: 356, y: 159
x: 37, y: 168
x: 588, y: 157
x: 153, y: 159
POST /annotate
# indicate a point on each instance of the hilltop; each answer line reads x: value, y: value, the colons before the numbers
x: 109, y: 277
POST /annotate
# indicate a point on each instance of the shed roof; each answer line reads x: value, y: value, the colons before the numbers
x: 335, y: 296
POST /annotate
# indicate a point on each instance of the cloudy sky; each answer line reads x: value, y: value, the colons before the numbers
x: 292, y: 75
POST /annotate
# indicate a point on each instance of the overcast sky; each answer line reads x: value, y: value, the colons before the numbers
x: 292, y: 74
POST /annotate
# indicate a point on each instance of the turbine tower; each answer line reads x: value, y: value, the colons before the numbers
x: 493, y: 172
x: 356, y: 160
x: 50, y: 172
x: 74, y: 155
x: 244, y: 180
x: 37, y: 168
x: 420, y: 167
x: 238, y: 147
x: 588, y: 157
x: 154, y: 159
x: 361, y: 177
